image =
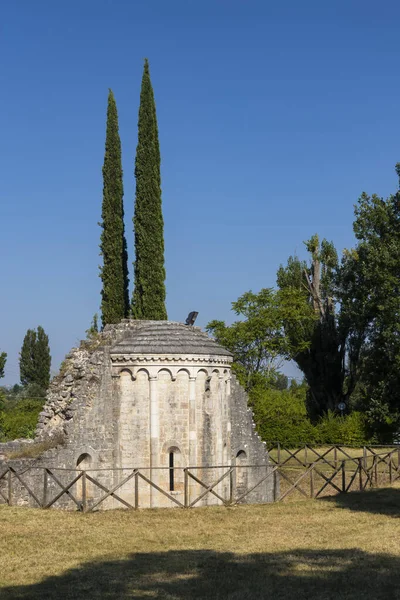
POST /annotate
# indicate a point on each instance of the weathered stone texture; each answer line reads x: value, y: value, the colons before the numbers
x: 245, y: 439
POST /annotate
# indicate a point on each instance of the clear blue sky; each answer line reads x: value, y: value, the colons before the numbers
x: 273, y: 118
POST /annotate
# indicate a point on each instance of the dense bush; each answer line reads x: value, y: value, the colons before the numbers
x: 350, y: 430
x: 18, y: 418
x: 281, y: 416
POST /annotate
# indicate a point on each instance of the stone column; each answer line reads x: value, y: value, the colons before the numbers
x: 154, y: 439
x: 192, y: 435
x: 228, y: 419
x: 192, y: 423
x: 220, y: 420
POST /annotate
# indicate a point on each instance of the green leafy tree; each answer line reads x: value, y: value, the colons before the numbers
x: 3, y: 359
x: 114, y: 272
x: 27, y: 358
x: 324, y: 338
x: 370, y: 297
x: 148, y: 300
x: 281, y: 382
x: 258, y: 341
x: 19, y: 418
x: 281, y: 416
x: 42, y: 359
x: 35, y: 360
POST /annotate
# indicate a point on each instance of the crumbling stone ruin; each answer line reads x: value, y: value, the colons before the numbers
x: 157, y: 396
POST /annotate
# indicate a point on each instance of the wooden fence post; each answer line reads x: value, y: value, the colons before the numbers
x: 45, y: 485
x: 365, y: 458
x: 275, y: 475
x: 312, y: 482
x: 343, y: 475
x: 9, y: 488
x: 305, y: 454
x: 360, y: 472
x: 231, y: 483
x: 335, y: 456
x: 137, y: 490
x: 279, y: 454
x: 390, y: 471
x: 186, y: 490
x: 376, y: 473
x: 84, y: 492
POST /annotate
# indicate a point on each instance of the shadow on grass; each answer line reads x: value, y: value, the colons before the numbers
x: 203, y: 574
x: 385, y: 501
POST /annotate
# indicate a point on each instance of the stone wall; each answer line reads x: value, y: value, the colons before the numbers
x: 249, y: 449
x: 78, y: 382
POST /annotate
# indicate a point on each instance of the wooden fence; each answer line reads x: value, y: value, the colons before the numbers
x: 288, y: 481
x: 305, y: 455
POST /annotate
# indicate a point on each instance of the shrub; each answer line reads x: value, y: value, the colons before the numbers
x: 19, y: 418
x: 349, y: 430
x: 281, y: 416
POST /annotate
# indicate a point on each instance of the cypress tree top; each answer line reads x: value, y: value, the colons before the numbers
x: 114, y: 273
x: 148, y: 300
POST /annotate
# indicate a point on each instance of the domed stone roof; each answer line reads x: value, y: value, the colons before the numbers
x: 167, y: 337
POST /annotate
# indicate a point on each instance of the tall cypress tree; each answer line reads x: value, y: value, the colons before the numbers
x: 3, y: 360
x: 148, y: 300
x: 42, y: 359
x: 35, y: 359
x: 114, y: 273
x: 26, y: 358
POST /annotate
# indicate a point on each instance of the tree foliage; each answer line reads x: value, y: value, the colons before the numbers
x: 148, y: 300
x: 323, y: 357
x: 281, y: 416
x: 340, y: 322
x: 19, y: 417
x: 114, y: 272
x: 27, y: 358
x: 42, y: 359
x: 258, y: 341
x: 94, y: 327
x: 370, y: 297
x: 3, y: 360
x: 35, y: 360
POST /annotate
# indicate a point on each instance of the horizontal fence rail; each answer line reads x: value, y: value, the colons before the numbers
x: 305, y: 455
x: 229, y: 485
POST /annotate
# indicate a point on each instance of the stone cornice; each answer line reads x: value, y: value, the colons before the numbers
x: 132, y: 359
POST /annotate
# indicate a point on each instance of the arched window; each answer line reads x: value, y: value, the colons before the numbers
x: 171, y: 472
x: 173, y: 463
x: 241, y: 457
x: 83, y: 463
x: 241, y: 470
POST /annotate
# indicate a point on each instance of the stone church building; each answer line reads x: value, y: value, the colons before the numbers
x: 157, y: 396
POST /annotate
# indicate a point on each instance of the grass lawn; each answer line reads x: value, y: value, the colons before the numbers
x: 343, y: 547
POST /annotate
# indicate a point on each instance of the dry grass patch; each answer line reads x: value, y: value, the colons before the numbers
x: 325, y: 549
x: 35, y: 449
